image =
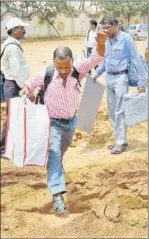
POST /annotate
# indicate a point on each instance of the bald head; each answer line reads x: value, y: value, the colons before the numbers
x: 62, y: 53
x: 63, y: 61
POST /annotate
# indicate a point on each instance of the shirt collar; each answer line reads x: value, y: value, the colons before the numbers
x: 56, y: 74
x: 14, y: 40
x: 118, y: 36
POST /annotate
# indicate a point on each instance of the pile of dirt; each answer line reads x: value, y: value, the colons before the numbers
x: 107, y: 195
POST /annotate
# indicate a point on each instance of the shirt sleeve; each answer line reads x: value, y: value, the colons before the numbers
x: 136, y: 60
x: 100, y: 69
x: 87, y: 64
x: 14, y: 63
x: 36, y: 81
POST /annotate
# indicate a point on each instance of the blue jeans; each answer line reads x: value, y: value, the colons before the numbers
x: 60, y: 139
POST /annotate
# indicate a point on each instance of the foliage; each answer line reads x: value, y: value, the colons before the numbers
x: 48, y: 9
x: 126, y: 8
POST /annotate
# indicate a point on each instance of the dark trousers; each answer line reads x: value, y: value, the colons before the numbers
x: 11, y: 90
x: 89, y: 51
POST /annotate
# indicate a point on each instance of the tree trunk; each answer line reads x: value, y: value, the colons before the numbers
x: 80, y: 5
x: 48, y: 21
x: 83, y: 5
x: 55, y: 29
x: 97, y: 5
x: 129, y: 18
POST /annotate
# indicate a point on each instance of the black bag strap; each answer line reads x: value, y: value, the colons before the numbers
x: 48, y: 78
x: 76, y: 75
x: 88, y: 34
x: 50, y: 72
x: 11, y: 43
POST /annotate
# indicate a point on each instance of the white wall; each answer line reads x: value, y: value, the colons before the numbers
x: 4, y: 20
x: 66, y: 26
x: 60, y: 21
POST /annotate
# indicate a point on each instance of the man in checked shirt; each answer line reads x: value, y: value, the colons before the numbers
x: 62, y: 97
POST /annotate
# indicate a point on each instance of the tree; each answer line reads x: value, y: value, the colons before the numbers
x: 48, y: 9
x: 143, y: 8
x: 82, y: 5
x: 126, y: 8
x: 97, y: 4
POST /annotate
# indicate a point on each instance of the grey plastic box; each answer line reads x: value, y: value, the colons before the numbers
x: 89, y: 106
x: 135, y: 108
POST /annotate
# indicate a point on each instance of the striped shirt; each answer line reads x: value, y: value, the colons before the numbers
x: 62, y: 102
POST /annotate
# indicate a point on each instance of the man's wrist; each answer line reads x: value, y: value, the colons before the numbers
x: 26, y: 87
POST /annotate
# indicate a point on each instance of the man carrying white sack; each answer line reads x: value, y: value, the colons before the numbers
x: 62, y: 97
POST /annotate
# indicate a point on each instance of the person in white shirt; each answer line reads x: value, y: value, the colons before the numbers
x: 90, y: 39
x: 13, y: 65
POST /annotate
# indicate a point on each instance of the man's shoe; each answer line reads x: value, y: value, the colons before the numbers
x: 59, y: 205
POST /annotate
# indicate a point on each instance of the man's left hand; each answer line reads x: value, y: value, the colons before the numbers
x: 141, y: 89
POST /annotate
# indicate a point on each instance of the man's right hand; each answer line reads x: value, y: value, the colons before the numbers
x: 95, y: 79
x: 101, y: 39
x: 25, y: 92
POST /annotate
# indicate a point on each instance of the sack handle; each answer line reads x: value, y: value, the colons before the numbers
x: 126, y: 49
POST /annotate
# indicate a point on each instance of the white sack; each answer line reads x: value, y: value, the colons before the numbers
x: 28, y: 132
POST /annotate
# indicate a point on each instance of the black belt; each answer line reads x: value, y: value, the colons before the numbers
x: 62, y: 121
x: 118, y: 73
x: 65, y: 121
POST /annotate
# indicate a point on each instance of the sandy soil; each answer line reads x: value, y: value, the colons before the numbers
x: 107, y: 195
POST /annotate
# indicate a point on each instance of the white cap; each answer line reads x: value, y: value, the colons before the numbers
x: 15, y: 22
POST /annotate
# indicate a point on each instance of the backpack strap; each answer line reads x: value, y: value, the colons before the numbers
x: 76, y: 75
x: 11, y: 43
x: 48, y: 78
x: 49, y: 75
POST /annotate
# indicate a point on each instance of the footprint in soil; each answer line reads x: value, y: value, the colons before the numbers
x: 7, y: 184
x: 20, y: 174
x: 5, y: 179
x: 3, y: 208
x: 37, y: 186
x: 74, y: 208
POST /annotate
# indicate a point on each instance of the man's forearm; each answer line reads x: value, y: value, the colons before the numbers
x: 100, y: 69
x: 36, y: 81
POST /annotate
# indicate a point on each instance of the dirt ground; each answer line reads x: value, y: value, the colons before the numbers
x: 107, y: 195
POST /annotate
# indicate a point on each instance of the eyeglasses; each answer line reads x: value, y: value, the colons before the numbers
x: 105, y: 29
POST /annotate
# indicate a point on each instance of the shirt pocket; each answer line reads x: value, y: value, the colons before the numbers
x: 118, y: 53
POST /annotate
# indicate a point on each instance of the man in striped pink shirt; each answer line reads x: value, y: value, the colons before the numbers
x: 62, y: 98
